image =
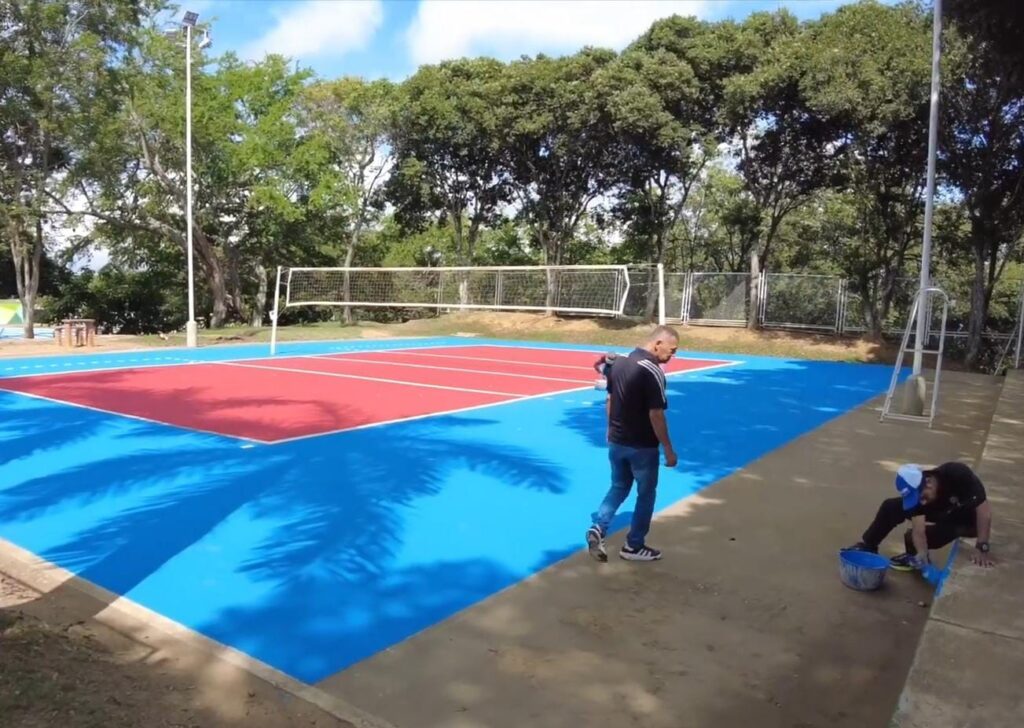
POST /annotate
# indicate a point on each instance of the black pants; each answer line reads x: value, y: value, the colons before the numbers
x: 942, y: 528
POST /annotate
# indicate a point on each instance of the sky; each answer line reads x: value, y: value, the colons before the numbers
x: 391, y: 38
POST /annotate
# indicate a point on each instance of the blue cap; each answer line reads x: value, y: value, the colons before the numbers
x: 908, y: 483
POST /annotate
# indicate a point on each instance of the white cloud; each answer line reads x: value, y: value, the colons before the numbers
x: 446, y: 29
x: 319, y: 27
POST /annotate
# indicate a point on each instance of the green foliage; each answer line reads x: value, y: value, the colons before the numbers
x: 122, y: 301
x: 700, y: 145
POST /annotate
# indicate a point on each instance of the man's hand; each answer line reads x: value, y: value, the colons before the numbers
x: 670, y: 458
x: 981, y: 559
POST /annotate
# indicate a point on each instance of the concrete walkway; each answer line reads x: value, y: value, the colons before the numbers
x: 745, y: 622
x: 970, y: 664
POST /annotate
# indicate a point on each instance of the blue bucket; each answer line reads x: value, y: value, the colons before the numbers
x: 862, y: 570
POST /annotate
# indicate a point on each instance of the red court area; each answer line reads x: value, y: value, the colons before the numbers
x: 283, y: 398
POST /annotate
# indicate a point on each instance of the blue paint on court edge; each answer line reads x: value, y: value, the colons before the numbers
x: 313, y: 555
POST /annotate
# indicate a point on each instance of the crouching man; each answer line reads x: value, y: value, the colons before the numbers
x: 942, y: 504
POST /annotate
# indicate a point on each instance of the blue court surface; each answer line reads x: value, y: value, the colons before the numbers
x: 315, y: 553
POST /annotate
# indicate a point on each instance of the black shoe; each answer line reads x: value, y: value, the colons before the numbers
x: 644, y: 553
x: 595, y: 544
x: 861, y: 546
x: 903, y: 562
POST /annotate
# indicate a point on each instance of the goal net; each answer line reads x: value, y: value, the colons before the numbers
x: 598, y: 290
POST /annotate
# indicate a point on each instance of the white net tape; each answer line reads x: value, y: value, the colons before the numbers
x: 600, y: 290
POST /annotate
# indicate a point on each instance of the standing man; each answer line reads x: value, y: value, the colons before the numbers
x: 635, y: 407
x: 942, y: 504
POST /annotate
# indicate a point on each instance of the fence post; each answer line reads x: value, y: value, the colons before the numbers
x: 754, y: 288
x: 840, y: 295
x: 661, y: 294
x: 687, y: 292
x: 1020, y: 328
x: 762, y: 296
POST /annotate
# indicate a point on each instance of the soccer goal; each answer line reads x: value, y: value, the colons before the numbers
x: 596, y: 290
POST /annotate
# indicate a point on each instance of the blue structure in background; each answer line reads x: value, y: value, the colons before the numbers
x: 315, y: 554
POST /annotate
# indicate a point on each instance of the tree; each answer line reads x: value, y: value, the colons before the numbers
x: 665, y: 133
x: 559, y: 145
x: 243, y: 136
x: 866, y: 76
x: 448, y: 143
x: 58, y: 59
x: 344, y: 157
x: 782, y: 149
x: 982, y: 157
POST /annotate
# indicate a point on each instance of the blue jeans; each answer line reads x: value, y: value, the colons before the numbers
x: 629, y: 464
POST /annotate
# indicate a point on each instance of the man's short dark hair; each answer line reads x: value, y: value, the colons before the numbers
x: 663, y: 332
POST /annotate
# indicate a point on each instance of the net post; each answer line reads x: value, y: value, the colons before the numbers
x: 273, y: 315
x: 661, y: 294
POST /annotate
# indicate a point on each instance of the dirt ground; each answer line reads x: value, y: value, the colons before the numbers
x: 59, y: 666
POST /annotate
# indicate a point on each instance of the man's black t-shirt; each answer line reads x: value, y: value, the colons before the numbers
x: 959, y: 489
x: 636, y: 385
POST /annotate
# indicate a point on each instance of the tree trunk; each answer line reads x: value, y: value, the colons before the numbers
x: 27, y: 259
x: 872, y: 322
x: 234, y: 279
x: 461, y: 254
x: 219, y: 293
x: 979, y: 308
x: 550, y: 286
x: 260, y: 305
x: 350, y: 255
x: 215, y: 279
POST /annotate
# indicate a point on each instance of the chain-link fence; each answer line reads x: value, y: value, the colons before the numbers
x: 826, y: 303
x: 798, y: 301
x: 717, y: 299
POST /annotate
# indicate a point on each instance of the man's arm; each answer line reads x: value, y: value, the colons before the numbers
x: 660, y: 425
x: 983, y: 514
x: 919, y: 536
x: 608, y: 418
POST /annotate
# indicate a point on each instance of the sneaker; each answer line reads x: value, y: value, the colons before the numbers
x: 861, y: 546
x: 595, y: 544
x: 643, y: 553
x: 903, y: 562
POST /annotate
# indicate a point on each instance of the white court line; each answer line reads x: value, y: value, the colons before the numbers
x: 459, y: 410
x: 574, y: 367
x: 244, y: 365
x: 121, y: 366
x: 345, y: 357
x: 188, y: 428
x: 439, y: 413
x: 140, y: 418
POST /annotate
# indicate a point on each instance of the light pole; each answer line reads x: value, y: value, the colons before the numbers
x: 188, y: 23
x: 915, y: 387
x: 929, y: 195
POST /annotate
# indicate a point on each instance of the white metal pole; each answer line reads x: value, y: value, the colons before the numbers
x: 277, y: 308
x: 190, y: 327
x: 661, y: 294
x: 929, y: 199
